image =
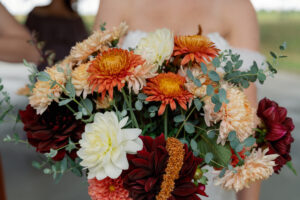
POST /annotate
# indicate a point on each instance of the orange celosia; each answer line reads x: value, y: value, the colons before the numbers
x: 195, y: 48
x: 167, y: 87
x: 111, y: 68
x: 176, y: 152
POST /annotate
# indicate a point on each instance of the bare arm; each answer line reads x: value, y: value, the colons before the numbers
x: 244, y: 33
x: 111, y: 12
x: 13, y: 40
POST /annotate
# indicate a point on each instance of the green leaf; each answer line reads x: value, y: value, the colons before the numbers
x: 152, y: 114
x: 273, y: 54
x: 189, y: 128
x: 71, y: 146
x: 142, y: 96
x: 211, y: 134
x: 70, y: 88
x: 190, y: 74
x: 152, y: 109
x: 245, y: 83
x: 52, y: 153
x: 203, y: 68
x: 138, y: 105
x: 197, y: 82
x: 228, y: 67
x: 78, y: 115
x: 102, y: 26
x: 198, y: 104
x: 217, y: 107
x: 231, y: 135
x: 64, y: 102
x: 283, y: 46
x: 179, y: 118
x: 208, y: 157
x: 222, y: 173
x: 88, y: 104
x: 36, y: 165
x: 216, y: 62
x: 194, y: 145
x: 64, y: 165
x: 222, y: 154
x: 234, y: 143
x: 214, y: 76
x: 238, y: 64
x: 249, y: 142
x: 43, y: 76
x: 239, y: 148
x: 47, y: 171
x: 209, y: 90
x: 291, y: 167
x: 203, y: 180
x: 59, y: 69
x: 223, y: 96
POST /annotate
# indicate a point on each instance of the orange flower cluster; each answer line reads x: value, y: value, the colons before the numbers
x: 176, y: 152
x: 195, y: 48
x: 111, y: 68
x: 167, y: 87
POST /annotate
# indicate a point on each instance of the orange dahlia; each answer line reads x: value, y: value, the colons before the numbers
x: 195, y: 48
x: 167, y: 87
x: 111, y: 68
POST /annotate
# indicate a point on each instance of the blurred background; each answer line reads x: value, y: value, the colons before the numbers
x: 279, y: 21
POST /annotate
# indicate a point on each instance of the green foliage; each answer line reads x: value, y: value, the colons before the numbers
x: 291, y: 167
x: 221, y: 154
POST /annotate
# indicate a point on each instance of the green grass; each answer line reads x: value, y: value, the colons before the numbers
x: 275, y: 28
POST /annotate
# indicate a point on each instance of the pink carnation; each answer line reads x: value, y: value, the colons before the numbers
x: 108, y: 189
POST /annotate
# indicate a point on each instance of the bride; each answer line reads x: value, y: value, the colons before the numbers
x: 228, y: 23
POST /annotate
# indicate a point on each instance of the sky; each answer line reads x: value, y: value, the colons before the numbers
x: 89, y: 7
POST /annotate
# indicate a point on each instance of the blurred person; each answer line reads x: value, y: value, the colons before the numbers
x: 230, y: 24
x: 58, y: 25
x: 14, y: 46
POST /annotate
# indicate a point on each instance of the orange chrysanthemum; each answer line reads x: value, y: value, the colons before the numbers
x: 167, y: 87
x: 111, y: 68
x: 195, y: 48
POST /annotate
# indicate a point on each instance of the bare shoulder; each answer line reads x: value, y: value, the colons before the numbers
x: 242, y: 27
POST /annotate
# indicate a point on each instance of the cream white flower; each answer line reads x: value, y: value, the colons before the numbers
x: 156, y: 47
x: 104, y: 146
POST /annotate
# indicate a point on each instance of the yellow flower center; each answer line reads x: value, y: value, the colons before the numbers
x: 194, y: 43
x: 170, y: 86
x: 113, y: 62
x: 111, y: 188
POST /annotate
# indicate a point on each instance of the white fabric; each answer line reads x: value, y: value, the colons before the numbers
x: 14, y: 76
x: 248, y: 56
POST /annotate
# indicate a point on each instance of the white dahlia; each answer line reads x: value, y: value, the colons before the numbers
x: 156, y: 47
x: 258, y: 166
x: 104, y: 146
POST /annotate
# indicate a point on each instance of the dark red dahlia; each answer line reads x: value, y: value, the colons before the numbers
x: 278, y: 128
x: 52, y: 129
x: 145, y: 174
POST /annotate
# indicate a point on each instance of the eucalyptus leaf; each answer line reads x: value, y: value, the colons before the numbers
x: 138, y: 105
x: 198, y: 104
x: 249, y: 142
x: 179, y: 118
x: 189, y: 128
x: 203, y: 68
x: 208, y: 157
x: 214, y: 76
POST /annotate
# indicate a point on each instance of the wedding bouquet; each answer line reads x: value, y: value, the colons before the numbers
x: 142, y: 123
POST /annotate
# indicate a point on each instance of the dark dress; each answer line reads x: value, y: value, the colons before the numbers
x: 58, y: 33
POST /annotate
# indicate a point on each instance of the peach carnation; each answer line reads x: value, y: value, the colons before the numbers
x: 98, y: 41
x: 258, y: 166
x: 237, y: 115
x: 43, y: 94
x: 80, y: 80
x: 137, y: 80
x: 107, y: 189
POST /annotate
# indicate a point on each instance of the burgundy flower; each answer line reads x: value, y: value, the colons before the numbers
x: 52, y: 129
x: 145, y: 174
x: 278, y: 131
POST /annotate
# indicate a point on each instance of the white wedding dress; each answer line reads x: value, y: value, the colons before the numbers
x: 248, y: 56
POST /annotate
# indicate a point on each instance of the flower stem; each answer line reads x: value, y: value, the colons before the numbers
x: 129, y: 104
x: 186, y: 119
x: 166, y: 123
